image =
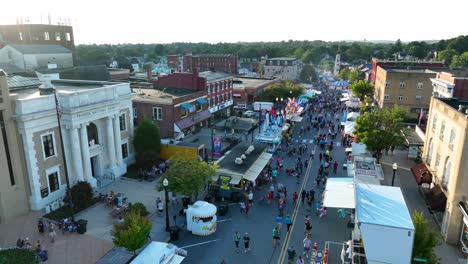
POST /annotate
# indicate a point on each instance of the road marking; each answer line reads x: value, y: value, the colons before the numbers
x: 199, y: 244
x: 224, y: 220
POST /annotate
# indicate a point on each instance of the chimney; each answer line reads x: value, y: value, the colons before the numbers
x: 195, y: 76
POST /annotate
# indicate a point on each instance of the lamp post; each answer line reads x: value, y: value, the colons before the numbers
x: 252, y: 130
x: 165, y: 184
x: 394, y: 167
x: 212, y: 128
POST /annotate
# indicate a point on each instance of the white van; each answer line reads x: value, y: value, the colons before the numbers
x: 160, y: 253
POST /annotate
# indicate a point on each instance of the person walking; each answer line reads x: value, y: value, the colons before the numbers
x: 279, y: 221
x: 303, y: 196
x: 52, y: 233
x: 246, y: 239
x: 294, y: 197
x: 312, y: 153
x: 250, y: 196
x: 276, y: 236
x: 247, y: 209
x: 308, y: 227
x: 236, y: 240
x: 335, y: 167
x: 300, y: 260
x: 288, y: 222
x: 306, y: 242
x: 291, y: 254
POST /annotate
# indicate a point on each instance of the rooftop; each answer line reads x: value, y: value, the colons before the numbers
x: 214, y: 76
x: 39, y: 49
x: 242, y: 82
x: 455, y: 103
x: 162, y: 95
x: 227, y: 162
x: 283, y: 59
x: 10, y: 68
x: 408, y: 69
x: 213, y: 55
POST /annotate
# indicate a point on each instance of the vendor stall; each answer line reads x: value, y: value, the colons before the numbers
x: 201, y: 218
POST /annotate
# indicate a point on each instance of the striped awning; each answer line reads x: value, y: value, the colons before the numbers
x: 201, y: 101
x: 186, y: 106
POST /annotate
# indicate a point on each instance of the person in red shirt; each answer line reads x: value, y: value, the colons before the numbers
x: 335, y: 167
x: 294, y: 197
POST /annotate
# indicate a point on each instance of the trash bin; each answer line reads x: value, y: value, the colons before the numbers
x: 223, y: 209
x: 174, y: 232
x: 81, y: 226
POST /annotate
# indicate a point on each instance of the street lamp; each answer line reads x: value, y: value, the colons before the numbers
x: 165, y: 184
x: 394, y: 167
x: 252, y: 130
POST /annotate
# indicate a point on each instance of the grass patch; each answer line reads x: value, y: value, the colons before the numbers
x: 18, y: 256
x: 132, y: 172
x: 65, y: 212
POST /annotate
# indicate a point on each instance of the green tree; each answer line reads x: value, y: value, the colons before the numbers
x: 308, y: 74
x: 188, y: 177
x: 425, y: 239
x: 298, y: 53
x: 362, y: 89
x: 355, y: 75
x: 380, y: 129
x: 460, y: 61
x: 147, y: 143
x: 344, y: 73
x: 446, y: 55
x: 132, y: 234
x: 282, y: 90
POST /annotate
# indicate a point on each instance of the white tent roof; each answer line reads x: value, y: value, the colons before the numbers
x: 258, y: 166
x: 339, y: 193
x: 353, y: 104
x: 159, y: 251
x: 353, y: 115
x: 344, y: 99
x: 349, y: 127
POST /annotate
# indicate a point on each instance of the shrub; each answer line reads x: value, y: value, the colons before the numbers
x: 18, y: 256
x: 82, y: 194
x: 140, y: 208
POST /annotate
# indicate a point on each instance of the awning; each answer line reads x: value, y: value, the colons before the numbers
x: 349, y: 150
x: 421, y: 173
x: 258, y: 166
x: 353, y: 115
x: 186, y: 106
x: 344, y: 99
x: 201, y: 101
x: 339, y: 193
x: 436, y: 199
x: 193, y: 119
x: 235, y: 180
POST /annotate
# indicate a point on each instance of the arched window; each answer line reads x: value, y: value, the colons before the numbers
x: 429, y: 152
x: 92, y: 132
x: 447, y: 172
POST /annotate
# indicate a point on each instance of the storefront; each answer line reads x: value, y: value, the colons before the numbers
x: 463, y: 242
x: 191, y: 124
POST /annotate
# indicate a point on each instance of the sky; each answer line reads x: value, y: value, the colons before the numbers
x: 213, y: 21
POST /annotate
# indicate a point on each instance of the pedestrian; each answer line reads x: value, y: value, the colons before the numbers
x: 306, y: 242
x: 160, y: 206
x: 291, y: 254
x: 294, y: 197
x: 303, y: 196
x: 276, y: 236
x: 40, y: 226
x: 320, y: 156
x: 250, y: 196
x: 242, y: 207
x: 279, y: 221
x: 52, y: 233
x: 246, y: 242
x: 308, y: 228
x: 306, y: 163
x: 312, y: 153
x: 335, y: 167
x: 236, y: 240
x: 247, y: 209
x: 300, y: 260
x: 288, y: 222
x: 38, y: 244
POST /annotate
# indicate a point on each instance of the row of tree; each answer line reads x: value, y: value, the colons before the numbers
x: 316, y: 52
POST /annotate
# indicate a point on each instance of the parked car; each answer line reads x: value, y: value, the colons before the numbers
x: 249, y: 113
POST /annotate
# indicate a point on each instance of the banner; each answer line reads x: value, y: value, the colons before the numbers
x: 217, y: 146
x: 224, y: 182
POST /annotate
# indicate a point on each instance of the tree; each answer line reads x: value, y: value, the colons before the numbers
x: 460, y: 61
x: 355, y: 75
x: 380, y: 129
x: 82, y: 194
x: 362, y: 89
x: 147, y: 142
x: 344, y: 73
x: 308, y: 74
x: 425, y: 239
x: 282, y: 90
x: 188, y: 177
x: 446, y: 55
x: 132, y: 234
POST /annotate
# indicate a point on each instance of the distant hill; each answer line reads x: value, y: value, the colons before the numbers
x: 391, y: 41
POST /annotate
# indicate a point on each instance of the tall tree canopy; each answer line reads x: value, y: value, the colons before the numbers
x: 133, y: 233
x: 425, y: 239
x: 282, y: 90
x: 147, y: 143
x: 308, y: 74
x: 362, y: 89
x: 380, y: 129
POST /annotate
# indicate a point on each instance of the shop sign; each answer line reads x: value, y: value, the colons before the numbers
x: 225, y: 182
x: 196, y: 118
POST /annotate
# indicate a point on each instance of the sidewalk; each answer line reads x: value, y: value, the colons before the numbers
x: 406, y: 181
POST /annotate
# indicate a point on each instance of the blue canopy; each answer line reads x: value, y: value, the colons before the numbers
x: 201, y: 101
x: 186, y: 106
x: 341, y: 83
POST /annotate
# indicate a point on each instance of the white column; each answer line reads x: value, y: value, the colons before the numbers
x: 118, y: 141
x: 76, y: 154
x: 85, y: 152
x: 110, y: 142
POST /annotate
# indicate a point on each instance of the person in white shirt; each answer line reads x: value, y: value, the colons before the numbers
x: 250, y: 195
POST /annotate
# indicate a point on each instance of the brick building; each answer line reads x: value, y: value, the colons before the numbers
x: 284, y: 68
x: 393, y: 63
x: 246, y: 90
x: 44, y: 34
x: 453, y: 83
x: 204, y: 62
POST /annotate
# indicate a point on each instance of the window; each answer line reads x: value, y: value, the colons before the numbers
x: 419, y: 86
x: 402, y: 85
x: 157, y: 113
x: 447, y: 172
x: 184, y: 112
x: 218, y: 99
x: 418, y: 98
x: 123, y: 122
x: 437, y: 161
x: 278, y: 63
x: 452, y: 139
x: 198, y: 107
x: 68, y: 36
x: 386, y: 97
x: 434, y: 123
x: 208, y: 89
x: 387, y: 85
x: 400, y: 98
x: 124, y: 150
x: 442, y: 129
x: 48, y: 145
x: 20, y: 35
x: 46, y: 36
x: 135, y: 115
x: 57, y: 36
x: 53, y: 179
x: 429, y: 152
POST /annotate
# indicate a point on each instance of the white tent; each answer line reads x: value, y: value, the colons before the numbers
x: 353, y: 115
x: 385, y: 223
x: 258, y: 166
x: 353, y: 104
x: 164, y: 253
x: 339, y: 193
x: 350, y: 127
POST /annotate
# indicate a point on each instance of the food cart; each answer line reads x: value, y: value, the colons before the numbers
x: 201, y: 218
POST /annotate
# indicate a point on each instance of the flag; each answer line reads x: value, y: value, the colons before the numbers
x: 421, y: 116
x: 272, y: 112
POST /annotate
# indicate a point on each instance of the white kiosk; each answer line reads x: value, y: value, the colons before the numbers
x: 201, y: 218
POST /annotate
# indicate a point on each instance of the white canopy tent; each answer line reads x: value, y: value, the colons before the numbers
x: 353, y: 115
x: 353, y: 104
x: 385, y: 223
x: 344, y: 99
x: 339, y: 193
x: 349, y: 128
x: 258, y: 166
x: 164, y: 253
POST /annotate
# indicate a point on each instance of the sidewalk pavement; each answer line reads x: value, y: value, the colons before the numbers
x: 405, y: 180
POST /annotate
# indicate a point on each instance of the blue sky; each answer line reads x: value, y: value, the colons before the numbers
x: 156, y: 21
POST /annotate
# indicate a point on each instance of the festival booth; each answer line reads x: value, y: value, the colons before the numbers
x: 201, y: 218
x: 349, y: 128
x: 271, y: 131
x: 241, y: 164
x: 160, y: 252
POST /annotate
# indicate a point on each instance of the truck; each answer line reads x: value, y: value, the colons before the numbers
x: 258, y: 106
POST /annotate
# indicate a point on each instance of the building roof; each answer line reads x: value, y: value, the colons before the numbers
x: 89, y: 73
x: 10, y: 68
x: 284, y: 59
x: 227, y: 162
x: 18, y: 82
x: 242, y: 82
x: 455, y: 103
x: 213, y: 55
x: 39, y: 49
x: 214, y: 76
x: 164, y: 95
